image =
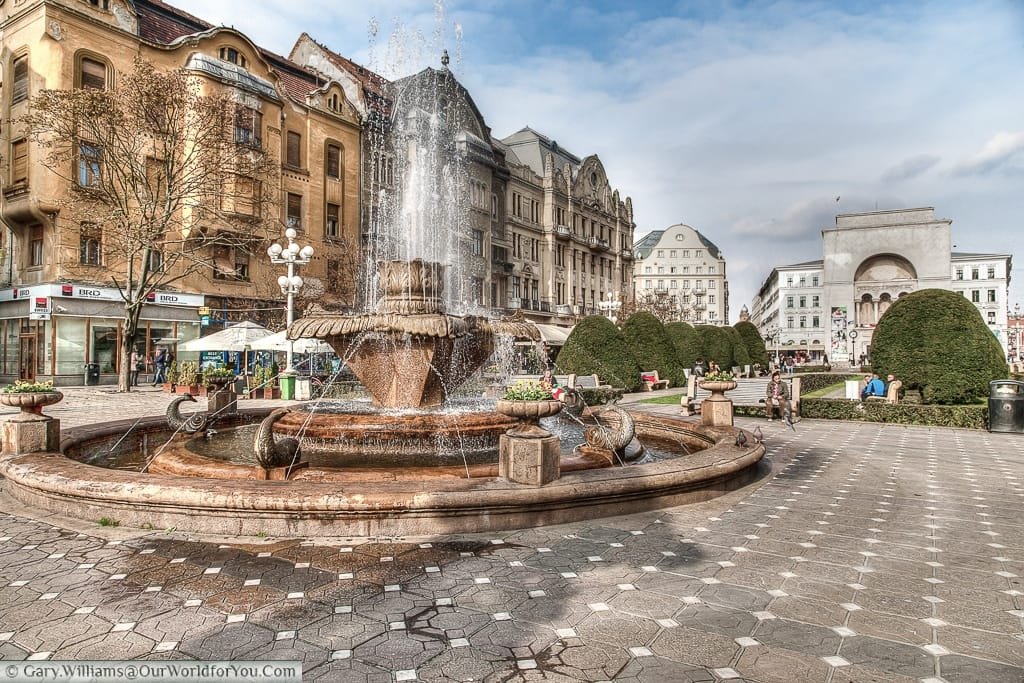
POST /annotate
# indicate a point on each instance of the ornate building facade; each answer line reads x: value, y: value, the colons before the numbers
x: 679, y: 274
x: 870, y: 260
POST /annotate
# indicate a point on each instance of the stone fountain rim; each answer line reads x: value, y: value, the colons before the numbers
x: 324, y: 325
x: 247, y: 507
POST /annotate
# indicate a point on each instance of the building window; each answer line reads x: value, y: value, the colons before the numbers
x: 19, y: 163
x: 648, y: 284
x: 35, y: 246
x: 974, y: 273
x: 789, y: 322
x: 90, y: 158
x: 333, y: 283
x: 991, y: 272
x: 711, y: 299
x: 331, y: 223
x: 991, y: 317
x: 478, y: 243
x: 230, y: 54
x: 293, y: 216
x: 815, y: 301
x: 249, y: 127
x: 19, y: 89
x: 673, y: 284
x: 156, y: 261
x: 384, y: 170
x: 789, y: 302
x: 711, y: 284
x: 686, y: 253
x: 230, y: 263
x: 959, y: 273
x: 661, y: 270
x: 90, y: 239
x: 697, y: 253
x: 647, y: 270
x: 293, y: 152
x: 803, y: 321
x: 814, y: 281
x: 661, y: 253
x: 789, y: 281
x: 333, y: 164
x: 686, y: 284
x: 711, y: 270
x: 803, y: 302
x: 92, y: 74
x: 816, y: 321
x: 101, y: 4
x: 803, y: 280
x: 991, y: 296
x: 672, y: 253
x: 976, y: 296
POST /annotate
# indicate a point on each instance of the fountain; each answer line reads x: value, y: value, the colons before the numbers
x: 418, y: 458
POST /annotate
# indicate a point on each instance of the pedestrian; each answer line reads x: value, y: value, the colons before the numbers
x: 136, y: 364
x: 776, y: 395
x: 160, y: 363
x: 790, y: 365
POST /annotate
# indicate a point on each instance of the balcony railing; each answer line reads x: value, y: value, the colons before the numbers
x: 597, y: 242
x: 562, y: 231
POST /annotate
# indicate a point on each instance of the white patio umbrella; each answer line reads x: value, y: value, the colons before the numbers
x: 237, y: 337
x: 279, y: 342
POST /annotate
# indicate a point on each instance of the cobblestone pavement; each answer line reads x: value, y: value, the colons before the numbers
x: 868, y: 553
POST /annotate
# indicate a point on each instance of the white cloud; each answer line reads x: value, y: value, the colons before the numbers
x: 1003, y: 150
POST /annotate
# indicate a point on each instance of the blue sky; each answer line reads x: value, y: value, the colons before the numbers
x: 745, y: 120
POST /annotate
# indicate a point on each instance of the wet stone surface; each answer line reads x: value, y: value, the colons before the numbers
x: 869, y: 552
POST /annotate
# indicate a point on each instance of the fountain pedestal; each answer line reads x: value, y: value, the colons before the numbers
x: 30, y: 431
x: 532, y: 461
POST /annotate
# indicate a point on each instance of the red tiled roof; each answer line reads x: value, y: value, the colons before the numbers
x: 161, y: 23
x: 297, y: 80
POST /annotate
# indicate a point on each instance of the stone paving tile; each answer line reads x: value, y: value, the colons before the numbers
x: 862, y: 556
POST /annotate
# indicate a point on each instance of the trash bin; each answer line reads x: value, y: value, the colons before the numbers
x: 303, y: 389
x: 92, y: 374
x: 1006, y: 406
x: 287, y: 387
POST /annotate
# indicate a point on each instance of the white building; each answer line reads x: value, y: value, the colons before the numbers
x: 679, y: 274
x: 869, y: 260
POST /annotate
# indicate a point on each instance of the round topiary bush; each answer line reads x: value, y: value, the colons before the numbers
x: 716, y: 345
x: 596, y: 346
x: 740, y: 356
x: 936, y: 341
x: 652, y: 347
x: 686, y: 341
x: 752, y: 340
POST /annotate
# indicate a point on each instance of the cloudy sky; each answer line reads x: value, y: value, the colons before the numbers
x: 755, y: 122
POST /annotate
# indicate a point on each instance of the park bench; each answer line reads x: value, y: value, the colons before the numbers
x: 892, y: 394
x: 750, y: 392
x: 649, y: 381
x: 590, y: 382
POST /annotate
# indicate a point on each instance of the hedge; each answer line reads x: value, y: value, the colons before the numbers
x: 653, y: 348
x: 973, y: 416
x: 753, y: 341
x: 716, y: 345
x: 936, y: 341
x: 596, y: 347
x: 687, y: 343
x: 740, y: 355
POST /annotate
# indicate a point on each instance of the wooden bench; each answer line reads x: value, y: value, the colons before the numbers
x: 750, y: 392
x: 652, y: 384
x: 892, y: 394
x: 589, y: 382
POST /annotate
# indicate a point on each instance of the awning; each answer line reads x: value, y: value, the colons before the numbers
x: 553, y: 335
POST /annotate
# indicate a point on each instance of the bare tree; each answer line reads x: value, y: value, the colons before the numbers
x: 166, y: 182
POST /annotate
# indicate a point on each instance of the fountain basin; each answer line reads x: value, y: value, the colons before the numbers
x: 404, y: 507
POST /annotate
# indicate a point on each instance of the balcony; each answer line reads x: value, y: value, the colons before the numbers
x: 562, y: 231
x: 699, y: 291
x: 597, y: 243
x: 700, y: 307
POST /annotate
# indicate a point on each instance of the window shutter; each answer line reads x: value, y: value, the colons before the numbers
x: 293, y: 156
x: 333, y: 161
x: 19, y: 93
x: 19, y: 166
x: 94, y: 74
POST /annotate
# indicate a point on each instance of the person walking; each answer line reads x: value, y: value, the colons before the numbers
x: 160, y: 363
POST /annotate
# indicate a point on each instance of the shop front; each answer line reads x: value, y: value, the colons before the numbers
x: 56, y: 331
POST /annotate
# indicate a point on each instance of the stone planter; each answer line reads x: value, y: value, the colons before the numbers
x: 530, y: 413
x: 33, y: 402
x: 718, y: 388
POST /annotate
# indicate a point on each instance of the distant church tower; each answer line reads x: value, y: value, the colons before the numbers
x: 744, y: 314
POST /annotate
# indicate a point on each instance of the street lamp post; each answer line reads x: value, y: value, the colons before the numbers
x: 291, y: 256
x: 610, y: 306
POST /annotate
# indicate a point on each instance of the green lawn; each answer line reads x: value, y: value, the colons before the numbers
x: 669, y: 400
x: 824, y: 391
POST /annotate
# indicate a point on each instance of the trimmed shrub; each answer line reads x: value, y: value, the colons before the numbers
x: 963, y: 416
x: 596, y: 346
x: 652, y: 347
x: 686, y: 341
x: 599, y: 397
x: 740, y: 355
x: 753, y: 341
x: 936, y: 341
x: 716, y: 345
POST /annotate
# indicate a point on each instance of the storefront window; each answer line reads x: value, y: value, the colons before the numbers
x: 103, y: 349
x: 161, y: 335
x: 11, y: 347
x: 187, y: 332
x: 70, y: 345
x: 44, y: 350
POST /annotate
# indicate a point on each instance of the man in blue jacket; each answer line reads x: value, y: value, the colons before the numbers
x: 874, y: 387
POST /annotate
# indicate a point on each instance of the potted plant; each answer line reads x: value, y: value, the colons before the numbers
x: 718, y: 383
x: 268, y: 386
x: 219, y: 377
x: 188, y: 378
x: 172, y: 377
x: 528, y: 402
x: 30, y: 396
